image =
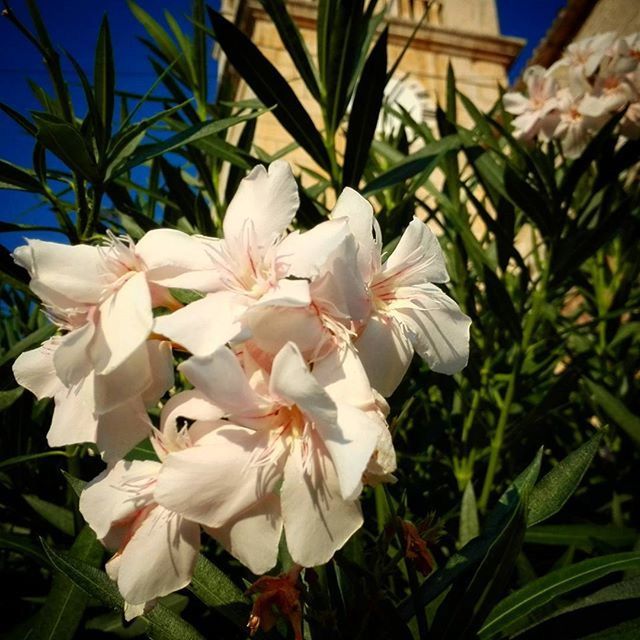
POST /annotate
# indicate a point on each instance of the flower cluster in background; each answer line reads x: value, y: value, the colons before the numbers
x: 595, y: 79
x: 290, y: 347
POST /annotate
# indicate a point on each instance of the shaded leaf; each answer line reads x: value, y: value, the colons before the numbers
x: 538, y: 593
x: 270, y: 87
x: 553, y: 491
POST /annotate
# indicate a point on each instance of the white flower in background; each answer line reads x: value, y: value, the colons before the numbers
x: 290, y: 454
x: 537, y: 111
x: 409, y: 312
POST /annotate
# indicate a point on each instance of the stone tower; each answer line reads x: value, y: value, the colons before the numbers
x: 463, y: 32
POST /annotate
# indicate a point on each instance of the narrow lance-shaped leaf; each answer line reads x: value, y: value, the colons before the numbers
x: 216, y: 590
x: 553, y: 491
x: 64, y: 607
x: 294, y: 43
x: 269, y: 86
x: 365, y: 112
x: 511, y: 612
x: 65, y: 141
x: 413, y: 165
x: 13, y: 177
x: 164, y: 624
x: 615, y: 409
x: 193, y: 133
x: 104, y: 80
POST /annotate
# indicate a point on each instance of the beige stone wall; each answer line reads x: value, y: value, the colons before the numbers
x: 622, y: 16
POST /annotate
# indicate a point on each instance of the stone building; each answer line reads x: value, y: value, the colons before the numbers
x: 463, y: 32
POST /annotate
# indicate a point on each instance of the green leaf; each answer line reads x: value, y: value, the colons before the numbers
x: 365, y: 112
x: 128, y: 139
x: 14, y: 177
x: 19, y: 118
x: 469, y: 525
x: 142, y: 451
x: 516, y: 606
x: 427, y: 157
x: 7, y: 398
x: 66, y: 142
x: 75, y: 483
x: 164, y: 624
x: 553, y: 491
x: 29, y: 457
x: 294, y: 43
x: 620, y: 591
x: 189, y: 135
x: 269, y: 86
x: 59, y: 517
x: 104, y: 80
x: 628, y: 630
x: 615, y: 409
x: 583, y: 536
x: 64, y: 608
x: 341, y: 34
x: 186, y: 296
x: 216, y: 590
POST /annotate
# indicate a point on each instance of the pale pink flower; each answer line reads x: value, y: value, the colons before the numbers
x: 155, y: 549
x: 575, y: 128
x: 108, y: 410
x: 537, y: 110
x: 289, y: 454
x: 246, y: 267
x: 582, y: 58
x: 409, y: 312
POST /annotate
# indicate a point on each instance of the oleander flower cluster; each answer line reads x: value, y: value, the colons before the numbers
x: 596, y: 78
x: 287, y: 353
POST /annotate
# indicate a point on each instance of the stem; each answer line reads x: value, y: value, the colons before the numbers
x: 82, y: 205
x: 94, y: 212
x: 539, y: 297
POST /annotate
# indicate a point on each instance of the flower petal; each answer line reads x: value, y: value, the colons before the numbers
x: 438, y: 330
x: 161, y: 363
x: 62, y: 275
x: 293, y: 383
x: 385, y: 353
x: 73, y: 418
x: 418, y: 256
x: 254, y: 537
x: 115, y: 495
x: 317, y: 520
x: 216, y: 480
x: 364, y: 227
x: 125, y: 323
x: 34, y: 370
x: 122, y: 429
x: 71, y: 358
x: 205, y: 325
x: 159, y: 558
x: 221, y: 379
x: 128, y: 381
x: 269, y: 200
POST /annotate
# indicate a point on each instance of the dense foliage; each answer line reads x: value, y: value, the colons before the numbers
x: 516, y: 508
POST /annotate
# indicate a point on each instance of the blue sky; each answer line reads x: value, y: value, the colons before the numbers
x: 74, y: 25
